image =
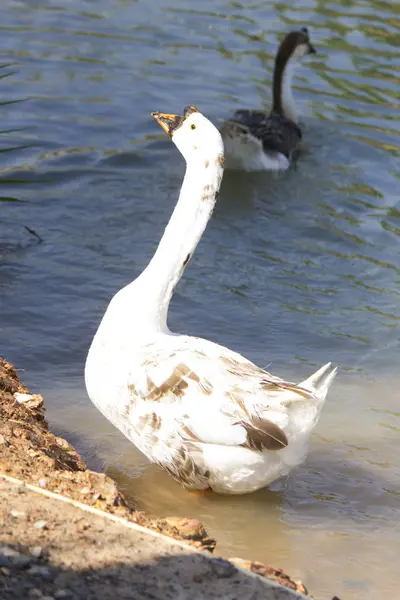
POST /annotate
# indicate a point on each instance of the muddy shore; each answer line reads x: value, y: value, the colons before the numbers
x: 30, y: 453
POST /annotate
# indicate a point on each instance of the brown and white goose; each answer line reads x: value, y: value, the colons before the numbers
x: 204, y: 413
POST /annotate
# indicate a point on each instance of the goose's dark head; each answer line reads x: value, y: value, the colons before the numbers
x: 295, y: 45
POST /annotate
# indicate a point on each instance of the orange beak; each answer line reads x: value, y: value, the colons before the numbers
x: 168, y: 122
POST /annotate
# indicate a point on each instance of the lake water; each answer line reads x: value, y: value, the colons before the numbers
x: 294, y: 270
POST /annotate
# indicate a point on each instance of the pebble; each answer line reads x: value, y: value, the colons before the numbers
x: 5, y: 561
x: 223, y: 568
x: 42, y: 483
x: 36, y: 551
x: 22, y: 398
x: 17, y: 513
x: 22, y: 561
x: 40, y: 525
x: 40, y: 571
x: 35, y: 593
x: 10, y: 552
x: 62, y: 595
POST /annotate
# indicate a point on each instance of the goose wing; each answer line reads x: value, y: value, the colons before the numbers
x: 202, y: 393
x: 276, y: 133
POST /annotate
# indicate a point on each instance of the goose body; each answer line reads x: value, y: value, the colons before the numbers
x: 204, y: 413
x: 268, y: 141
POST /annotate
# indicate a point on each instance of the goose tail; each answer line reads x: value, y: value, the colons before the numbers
x: 320, y: 381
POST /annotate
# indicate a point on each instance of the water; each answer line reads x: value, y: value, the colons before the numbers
x: 292, y: 271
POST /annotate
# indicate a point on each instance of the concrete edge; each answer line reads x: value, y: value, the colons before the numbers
x: 144, y: 531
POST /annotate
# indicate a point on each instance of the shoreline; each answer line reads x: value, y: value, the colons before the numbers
x: 53, y: 472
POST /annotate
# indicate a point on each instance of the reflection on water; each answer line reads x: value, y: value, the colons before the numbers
x: 294, y: 270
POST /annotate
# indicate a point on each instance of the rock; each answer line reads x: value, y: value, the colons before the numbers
x: 31, y: 401
x: 40, y: 525
x: 3, y: 440
x: 22, y: 398
x: 62, y: 595
x: 4, y: 561
x: 188, y: 529
x: 42, y: 483
x: 106, y: 491
x: 35, y: 593
x: 9, y: 552
x: 36, y: 551
x: 223, y: 568
x: 9, y: 380
x: 270, y: 573
x: 17, y: 514
x: 22, y: 561
x: 44, y: 572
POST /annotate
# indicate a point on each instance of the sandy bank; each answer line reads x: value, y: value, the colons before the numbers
x: 58, y: 539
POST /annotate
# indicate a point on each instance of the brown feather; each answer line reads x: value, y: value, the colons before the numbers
x: 182, y: 467
x: 291, y: 387
x: 263, y: 434
x: 176, y: 384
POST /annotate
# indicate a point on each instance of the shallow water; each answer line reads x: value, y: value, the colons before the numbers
x: 294, y: 270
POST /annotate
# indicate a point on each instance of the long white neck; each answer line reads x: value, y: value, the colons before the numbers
x: 152, y: 290
x: 283, y: 101
x: 288, y: 104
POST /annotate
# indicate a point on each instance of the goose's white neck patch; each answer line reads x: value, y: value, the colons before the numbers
x: 288, y: 104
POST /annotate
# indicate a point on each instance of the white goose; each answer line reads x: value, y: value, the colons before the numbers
x: 207, y: 415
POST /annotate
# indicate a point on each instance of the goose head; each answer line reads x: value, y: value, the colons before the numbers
x: 295, y: 45
x: 193, y: 134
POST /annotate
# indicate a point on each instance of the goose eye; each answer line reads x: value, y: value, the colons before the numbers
x: 193, y: 126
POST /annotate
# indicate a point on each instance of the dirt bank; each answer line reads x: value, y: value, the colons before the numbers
x: 31, y: 453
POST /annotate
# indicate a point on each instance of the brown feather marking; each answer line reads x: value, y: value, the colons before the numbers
x: 150, y: 420
x: 229, y: 361
x: 156, y: 421
x: 220, y: 160
x: 291, y: 387
x: 184, y: 469
x: 241, y: 369
x: 263, y: 434
x: 206, y: 387
x: 175, y: 384
x: 237, y: 398
x: 188, y: 433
